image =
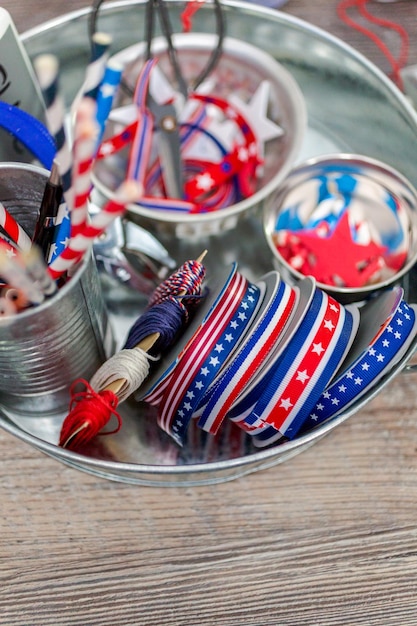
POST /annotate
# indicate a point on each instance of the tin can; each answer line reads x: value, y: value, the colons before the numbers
x: 44, y: 348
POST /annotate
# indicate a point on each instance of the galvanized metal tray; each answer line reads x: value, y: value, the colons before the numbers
x: 351, y: 106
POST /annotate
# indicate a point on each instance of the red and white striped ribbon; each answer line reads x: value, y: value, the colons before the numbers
x: 271, y: 322
x: 315, y: 351
x: 199, y: 350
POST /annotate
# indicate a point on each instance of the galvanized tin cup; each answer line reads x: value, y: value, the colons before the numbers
x: 43, y: 349
x: 241, y: 70
x: 389, y: 195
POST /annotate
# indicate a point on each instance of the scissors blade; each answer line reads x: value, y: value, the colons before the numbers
x: 169, y: 148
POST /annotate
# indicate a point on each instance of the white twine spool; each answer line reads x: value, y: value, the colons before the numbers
x: 130, y: 367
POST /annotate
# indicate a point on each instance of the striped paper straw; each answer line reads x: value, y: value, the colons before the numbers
x: 128, y: 192
x: 47, y: 70
x: 7, y: 308
x: 37, y: 269
x: 7, y: 245
x: 84, y: 148
x: 13, y: 229
x: 100, y: 47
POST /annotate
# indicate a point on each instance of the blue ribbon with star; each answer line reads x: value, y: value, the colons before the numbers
x: 215, y: 361
x: 369, y: 367
x: 277, y: 298
x: 286, y: 365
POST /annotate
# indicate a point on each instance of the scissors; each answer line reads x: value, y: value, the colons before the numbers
x: 164, y: 114
x: 160, y: 6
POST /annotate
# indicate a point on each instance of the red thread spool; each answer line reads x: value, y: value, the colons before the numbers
x: 89, y: 413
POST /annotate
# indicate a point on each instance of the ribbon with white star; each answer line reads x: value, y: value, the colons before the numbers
x: 306, y: 366
x: 383, y: 352
x: 217, y: 290
x: 217, y: 175
x: 205, y: 359
x: 272, y: 318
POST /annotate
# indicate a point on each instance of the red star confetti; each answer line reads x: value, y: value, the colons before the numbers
x: 332, y: 258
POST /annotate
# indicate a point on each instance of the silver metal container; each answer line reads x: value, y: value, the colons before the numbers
x: 385, y: 185
x: 44, y: 348
x: 241, y: 70
x: 351, y: 107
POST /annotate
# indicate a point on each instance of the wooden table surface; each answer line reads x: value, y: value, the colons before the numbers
x: 329, y: 537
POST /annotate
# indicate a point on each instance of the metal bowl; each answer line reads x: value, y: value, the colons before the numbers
x: 352, y: 107
x: 380, y: 195
x: 240, y: 71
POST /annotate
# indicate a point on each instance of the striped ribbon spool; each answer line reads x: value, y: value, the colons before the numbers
x: 206, y: 356
x: 218, y: 289
x: 388, y: 345
x: 274, y: 314
x: 244, y: 404
x: 306, y: 366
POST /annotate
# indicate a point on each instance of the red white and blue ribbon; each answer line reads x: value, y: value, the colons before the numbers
x: 205, y: 359
x: 211, y: 182
x: 142, y: 141
x: 224, y: 285
x: 305, y: 367
x: 274, y: 315
x: 387, y: 347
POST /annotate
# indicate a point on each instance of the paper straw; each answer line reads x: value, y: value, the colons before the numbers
x: 100, y: 47
x: 16, y: 275
x: 129, y: 192
x: 47, y: 70
x: 7, y: 308
x: 8, y: 246
x: 85, y: 142
x: 108, y: 88
x: 13, y: 229
x: 36, y: 268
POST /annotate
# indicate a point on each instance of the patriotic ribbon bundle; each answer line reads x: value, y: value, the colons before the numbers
x: 216, y: 153
x: 374, y: 354
x: 274, y: 359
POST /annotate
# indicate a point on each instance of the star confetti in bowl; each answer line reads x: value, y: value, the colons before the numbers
x: 240, y: 132
x: 348, y: 220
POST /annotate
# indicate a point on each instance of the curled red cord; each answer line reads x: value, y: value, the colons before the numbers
x: 192, y: 7
x: 396, y: 64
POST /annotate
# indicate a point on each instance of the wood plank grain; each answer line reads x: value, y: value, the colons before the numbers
x: 327, y: 538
